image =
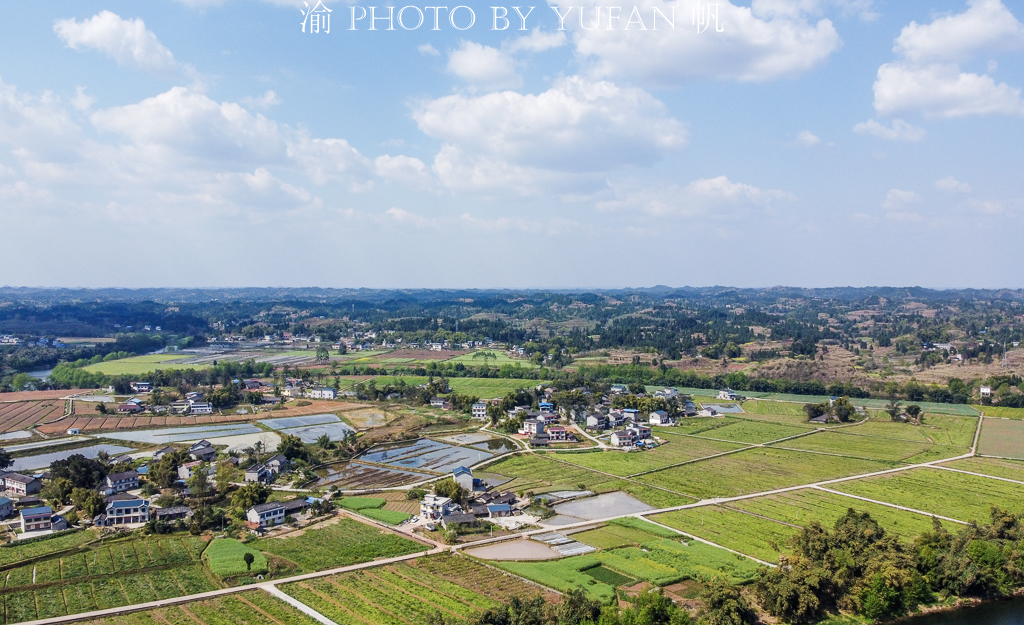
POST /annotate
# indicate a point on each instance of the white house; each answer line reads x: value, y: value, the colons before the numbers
x: 624, y: 438
x: 121, y: 482
x: 437, y: 402
x: 986, y: 391
x: 266, y: 514
x: 480, y: 410
x: 186, y: 470
x: 728, y: 393
x: 141, y: 387
x: 660, y: 417
x: 557, y: 434
x: 323, y: 392
x: 433, y: 507
x: 22, y: 485
x: 276, y: 463
x: 200, y: 407
x: 124, y: 512
x: 35, y: 519
x: 464, y: 478
x: 533, y: 427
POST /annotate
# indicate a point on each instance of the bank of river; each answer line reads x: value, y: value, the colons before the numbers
x: 1009, y: 612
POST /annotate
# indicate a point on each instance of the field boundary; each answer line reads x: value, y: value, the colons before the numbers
x: 890, y: 505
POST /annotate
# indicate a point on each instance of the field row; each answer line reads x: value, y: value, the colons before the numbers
x: 20, y: 415
x: 250, y: 608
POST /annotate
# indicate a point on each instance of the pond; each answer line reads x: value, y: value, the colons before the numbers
x: 184, y: 434
x: 357, y: 476
x: 496, y: 445
x: 724, y: 408
x: 41, y: 461
x: 428, y: 454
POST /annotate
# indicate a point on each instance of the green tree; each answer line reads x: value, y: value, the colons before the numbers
x: 292, y: 447
x: 894, y: 408
x: 88, y: 502
x: 199, y: 482
x: 164, y: 472
x: 223, y: 477
x: 250, y: 495
x: 6, y: 460
x: 914, y: 412
x: 723, y: 605
x: 322, y: 355
x: 58, y: 490
x: 249, y: 558
x: 449, y: 488
x: 79, y: 470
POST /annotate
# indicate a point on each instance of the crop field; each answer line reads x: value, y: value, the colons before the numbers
x: 361, y: 503
x: 955, y: 495
x: 19, y: 415
x: 627, y: 532
x: 997, y: 467
x: 226, y: 557
x: 704, y: 426
x: 456, y: 587
x: 660, y: 561
x: 677, y: 449
x: 761, y: 538
x: 496, y: 358
x: 1003, y: 438
x: 337, y: 544
x: 782, y: 408
x: 488, y: 388
x: 756, y: 432
x: 143, y: 364
x: 249, y: 608
x: 937, y: 429
x: 391, y: 517
x: 872, y: 447
x: 541, y: 474
x: 1001, y: 412
x: 15, y: 552
x: 803, y: 506
x: 756, y: 470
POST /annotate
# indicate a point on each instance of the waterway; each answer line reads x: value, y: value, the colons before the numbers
x: 1009, y: 612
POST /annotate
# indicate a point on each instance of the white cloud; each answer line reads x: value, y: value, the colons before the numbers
x: 81, y: 101
x: 942, y: 91
x: 536, y: 41
x: 331, y: 160
x: 128, y: 42
x: 927, y: 79
x: 405, y: 217
x: 757, y: 44
x: 404, y: 169
x: 427, y: 50
x: 483, y: 67
x: 987, y: 25
x: 952, y: 185
x: 807, y: 138
x: 899, y: 130
x: 265, y: 101
x: 701, y: 196
x: 898, y: 198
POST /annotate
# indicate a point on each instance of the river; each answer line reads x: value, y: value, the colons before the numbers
x: 1009, y: 612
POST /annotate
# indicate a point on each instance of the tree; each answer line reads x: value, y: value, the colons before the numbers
x: 250, y: 495
x: 415, y: 494
x: 723, y: 605
x: 322, y: 355
x: 843, y: 409
x: 101, y: 408
x: 5, y: 459
x: 223, y: 477
x: 292, y: 447
x: 199, y: 482
x: 164, y: 472
x: 815, y: 410
x: 449, y: 488
x: 324, y: 441
x: 58, y: 490
x: 914, y: 412
x: 249, y: 558
x: 894, y: 408
x: 81, y: 471
x: 88, y: 502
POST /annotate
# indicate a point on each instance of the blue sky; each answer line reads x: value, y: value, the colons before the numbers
x: 801, y: 142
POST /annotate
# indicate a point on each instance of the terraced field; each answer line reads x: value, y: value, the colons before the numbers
x: 340, y: 543
x: 249, y: 608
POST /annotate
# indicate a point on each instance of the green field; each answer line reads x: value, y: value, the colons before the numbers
x: 489, y: 388
x: 454, y: 586
x: 756, y: 470
x: 142, y: 364
x: 677, y: 449
x: 250, y: 608
x: 955, y: 495
x: 226, y: 557
x: 998, y: 467
x: 361, y: 503
x: 756, y: 432
x: 17, y: 552
x: 871, y: 447
x: 660, y: 561
x: 763, y: 539
x: 784, y: 408
x: 338, y: 544
x: 937, y: 429
x: 1001, y: 412
x: 391, y: 517
x: 498, y: 359
x: 541, y: 474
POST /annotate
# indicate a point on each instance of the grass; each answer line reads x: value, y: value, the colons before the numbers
x: 956, y: 495
x: 391, y: 517
x: 803, y: 506
x: 997, y: 467
x: 762, y: 538
x: 1001, y: 412
x: 137, y: 365
x: 361, y: 503
x: 338, y: 544
x: 541, y: 474
x: 677, y: 449
x: 1003, y: 438
x: 756, y: 470
x: 498, y: 359
x: 226, y: 557
x: 846, y: 443
x: 608, y: 576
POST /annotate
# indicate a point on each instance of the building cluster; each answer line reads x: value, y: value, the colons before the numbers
x: 482, y: 503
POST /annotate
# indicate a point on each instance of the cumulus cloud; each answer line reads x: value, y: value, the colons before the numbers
x: 427, y: 50
x: 265, y: 101
x: 898, y: 198
x: 927, y: 77
x: 899, y: 130
x: 950, y: 184
x: 807, y: 138
x: 484, y: 67
x: 757, y: 43
x: 128, y: 42
x: 528, y: 142
x: 701, y: 196
x: 405, y: 169
x: 536, y: 41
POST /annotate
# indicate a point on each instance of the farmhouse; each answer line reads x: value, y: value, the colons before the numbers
x: 464, y: 478
x: 642, y: 432
x: 200, y: 407
x: 257, y: 473
x: 123, y: 512
x: 141, y: 387
x: 129, y: 408
x: 6, y: 507
x: 276, y: 463
x: 323, y: 392
x: 728, y: 393
x: 160, y: 453
x: 459, y: 518
x: 597, y: 422
x: 437, y: 402
x: 557, y: 434
x: 660, y: 417
x: 480, y: 410
x: 434, y: 507
x: 187, y: 470
x: 624, y: 438
x: 266, y: 514
x: 172, y: 513
x: 21, y: 485
x: 499, y: 510
x: 35, y: 519
x: 533, y: 426
x: 120, y: 482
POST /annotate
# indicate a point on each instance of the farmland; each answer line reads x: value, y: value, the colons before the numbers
x: 226, y: 557
x: 1001, y: 412
x: 755, y: 470
x: 937, y: 429
x: 649, y: 556
x: 249, y: 608
x: 137, y: 365
x: 339, y: 543
x: 492, y: 358
x: 762, y: 538
x: 20, y: 415
x: 997, y: 467
x: 955, y: 495
x: 677, y: 449
x: 488, y: 388
x: 1003, y: 438
x: 404, y: 594
x: 847, y: 443
x: 755, y: 432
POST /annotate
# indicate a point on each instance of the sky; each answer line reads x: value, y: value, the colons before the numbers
x: 191, y: 143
